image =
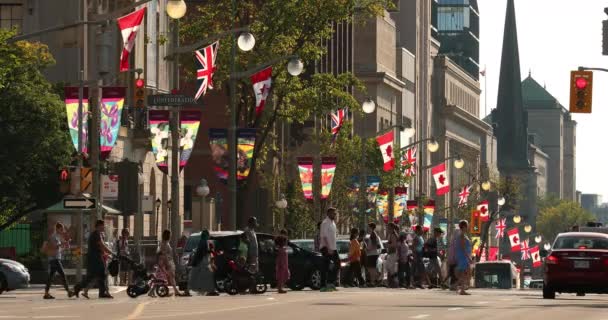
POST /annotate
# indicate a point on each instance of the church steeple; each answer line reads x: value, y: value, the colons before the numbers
x: 509, y: 117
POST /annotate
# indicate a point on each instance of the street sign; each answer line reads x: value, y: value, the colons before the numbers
x: 170, y: 100
x: 79, y: 203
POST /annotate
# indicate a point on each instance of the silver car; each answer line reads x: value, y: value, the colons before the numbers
x: 13, y: 275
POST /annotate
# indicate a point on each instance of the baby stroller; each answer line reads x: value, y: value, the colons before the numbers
x: 158, y: 283
x: 240, y: 278
x: 142, y: 282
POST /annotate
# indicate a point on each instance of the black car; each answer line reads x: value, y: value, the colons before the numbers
x: 304, y: 265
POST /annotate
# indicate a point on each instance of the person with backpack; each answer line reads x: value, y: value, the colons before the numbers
x: 53, y: 248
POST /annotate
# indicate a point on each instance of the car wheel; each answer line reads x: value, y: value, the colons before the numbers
x: 220, y: 285
x: 3, y: 284
x: 548, y: 293
x: 315, y: 280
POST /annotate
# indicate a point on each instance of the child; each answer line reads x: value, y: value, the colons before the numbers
x: 354, y: 256
x: 282, y: 266
x: 160, y: 274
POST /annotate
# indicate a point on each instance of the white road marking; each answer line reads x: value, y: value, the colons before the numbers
x: 270, y: 298
x: 455, y: 309
x: 53, y: 317
x: 138, y: 310
x: 482, y: 302
x: 12, y: 317
x: 420, y: 316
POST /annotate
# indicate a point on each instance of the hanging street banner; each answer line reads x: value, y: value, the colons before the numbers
x: 328, y: 170
x: 71, y: 108
x: 443, y: 225
x: 411, y: 206
x: 429, y: 210
x: 159, y: 130
x: 400, y: 203
x: 305, y: 168
x: 112, y: 101
x: 245, y: 145
x: 218, y: 141
x: 189, y: 123
x: 382, y: 205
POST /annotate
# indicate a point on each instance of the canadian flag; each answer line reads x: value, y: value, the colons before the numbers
x: 514, y: 239
x: 535, y: 253
x: 484, y: 214
x: 386, y: 148
x: 129, y: 25
x: 441, y: 179
x: 262, y: 82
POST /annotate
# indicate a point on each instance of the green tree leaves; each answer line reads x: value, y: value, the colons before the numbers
x: 32, y: 126
x: 561, y: 217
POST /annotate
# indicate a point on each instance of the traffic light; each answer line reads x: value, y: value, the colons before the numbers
x: 64, y: 181
x: 475, y: 223
x: 139, y: 96
x: 581, y: 91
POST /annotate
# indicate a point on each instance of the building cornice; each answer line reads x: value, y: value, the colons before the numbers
x: 386, y: 78
x: 460, y: 114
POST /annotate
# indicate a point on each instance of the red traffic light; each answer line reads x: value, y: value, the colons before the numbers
x: 63, y: 176
x: 581, y: 83
x: 139, y: 83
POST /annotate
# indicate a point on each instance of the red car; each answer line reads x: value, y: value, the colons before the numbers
x: 577, y: 263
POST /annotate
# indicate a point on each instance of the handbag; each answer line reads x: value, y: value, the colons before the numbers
x: 113, y: 267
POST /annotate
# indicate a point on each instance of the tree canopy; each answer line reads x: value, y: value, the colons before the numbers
x: 560, y: 218
x: 33, y: 128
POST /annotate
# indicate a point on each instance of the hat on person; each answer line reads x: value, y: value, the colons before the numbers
x: 438, y: 230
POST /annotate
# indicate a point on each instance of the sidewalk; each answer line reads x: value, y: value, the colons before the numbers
x: 39, y: 289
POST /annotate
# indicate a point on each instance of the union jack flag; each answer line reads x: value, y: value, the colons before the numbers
x: 205, y: 67
x: 501, y: 225
x: 337, y: 120
x: 525, y: 250
x: 463, y: 196
x: 409, y: 161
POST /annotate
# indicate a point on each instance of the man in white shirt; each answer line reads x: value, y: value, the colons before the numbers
x: 329, y: 250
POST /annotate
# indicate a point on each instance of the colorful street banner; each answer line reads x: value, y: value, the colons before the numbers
x: 493, y: 254
x: 476, y: 243
x: 112, y: 101
x: 189, y: 123
x: 411, y: 206
x: 246, y: 144
x: 71, y: 108
x: 443, y: 225
x: 305, y: 168
x: 400, y: 203
x: 429, y: 210
x: 159, y: 130
x: 218, y: 142
x: 328, y: 170
x: 382, y: 205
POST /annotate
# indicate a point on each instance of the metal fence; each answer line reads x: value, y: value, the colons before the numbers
x: 26, y: 239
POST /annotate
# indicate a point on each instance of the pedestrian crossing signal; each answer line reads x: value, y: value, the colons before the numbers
x: 64, y: 181
x: 475, y: 223
x: 581, y: 91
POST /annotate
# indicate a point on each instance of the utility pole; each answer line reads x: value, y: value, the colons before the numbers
x: 175, y: 197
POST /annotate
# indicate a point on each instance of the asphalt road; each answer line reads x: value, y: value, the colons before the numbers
x: 348, y: 304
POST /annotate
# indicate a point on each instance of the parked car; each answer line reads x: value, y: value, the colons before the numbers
x: 577, y: 263
x: 304, y: 265
x: 308, y: 244
x: 13, y: 275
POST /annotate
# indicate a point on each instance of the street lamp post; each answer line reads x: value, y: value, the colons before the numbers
x: 202, y: 190
x: 158, y: 203
x: 368, y: 106
x: 282, y: 204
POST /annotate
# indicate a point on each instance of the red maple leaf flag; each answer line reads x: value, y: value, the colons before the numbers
x: 386, y: 148
x: 514, y: 239
x: 484, y: 213
x: 441, y: 179
x: 262, y: 82
x: 535, y: 253
x: 129, y: 25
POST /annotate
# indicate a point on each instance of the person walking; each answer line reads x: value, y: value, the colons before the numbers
x: 328, y: 247
x: 374, y: 247
x: 354, y: 258
x: 122, y: 250
x: 54, y: 249
x: 201, y: 278
x: 282, y: 262
x: 96, y: 269
x: 432, y: 253
x: 252, y: 244
x: 166, y: 254
x: 403, y: 257
x: 452, y: 259
x: 363, y: 259
x: 463, y: 258
x: 392, y: 260
x: 420, y: 275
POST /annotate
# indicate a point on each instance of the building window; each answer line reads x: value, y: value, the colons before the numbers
x: 10, y: 15
x: 381, y: 123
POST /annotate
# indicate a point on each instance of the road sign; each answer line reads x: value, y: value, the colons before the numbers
x: 79, y: 203
x: 170, y: 100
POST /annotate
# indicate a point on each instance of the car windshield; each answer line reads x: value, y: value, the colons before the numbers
x: 343, y: 246
x: 581, y: 243
x: 192, y: 243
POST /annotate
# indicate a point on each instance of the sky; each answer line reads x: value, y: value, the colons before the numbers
x: 555, y: 37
